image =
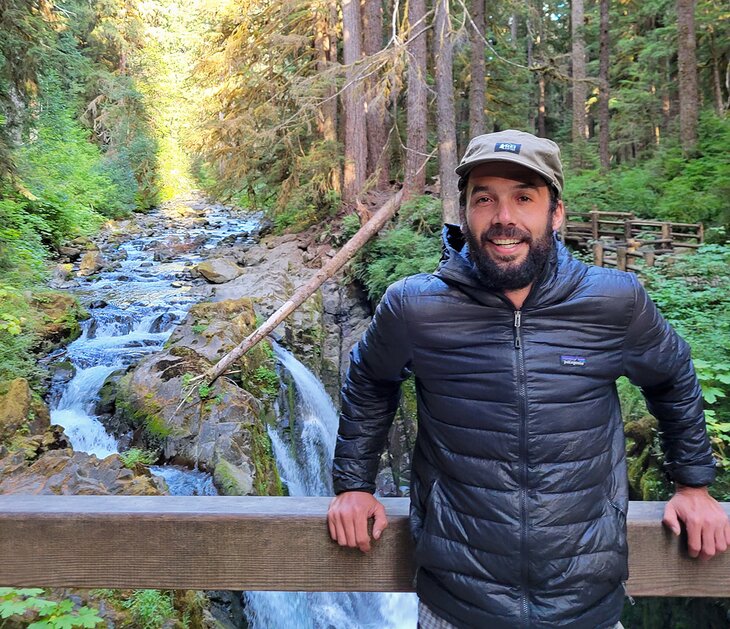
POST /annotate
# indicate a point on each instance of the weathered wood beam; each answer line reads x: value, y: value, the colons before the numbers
x: 258, y: 543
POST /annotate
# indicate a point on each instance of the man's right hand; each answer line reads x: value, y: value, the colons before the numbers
x: 348, y: 517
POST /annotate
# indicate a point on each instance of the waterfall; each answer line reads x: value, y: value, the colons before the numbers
x: 305, y: 467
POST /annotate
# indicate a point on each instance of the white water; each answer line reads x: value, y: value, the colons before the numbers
x: 305, y: 467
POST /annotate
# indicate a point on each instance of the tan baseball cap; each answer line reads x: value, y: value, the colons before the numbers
x: 538, y: 154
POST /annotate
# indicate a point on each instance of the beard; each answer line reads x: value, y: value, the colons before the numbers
x: 504, y: 274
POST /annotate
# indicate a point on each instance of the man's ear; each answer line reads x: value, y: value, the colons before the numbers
x: 558, y: 215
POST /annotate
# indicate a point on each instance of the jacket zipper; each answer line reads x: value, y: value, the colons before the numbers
x: 522, y: 391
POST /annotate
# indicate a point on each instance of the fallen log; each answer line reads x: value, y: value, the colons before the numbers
x: 344, y: 255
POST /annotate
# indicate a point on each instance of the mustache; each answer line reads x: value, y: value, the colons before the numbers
x: 498, y: 231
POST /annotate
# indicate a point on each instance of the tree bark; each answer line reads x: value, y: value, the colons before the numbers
x: 578, y: 59
x: 325, y: 46
x: 541, y: 127
x: 364, y: 234
x: 416, y: 101
x: 603, y: 93
x: 687, y: 71
x: 354, y: 105
x: 377, y: 135
x: 477, y: 89
x: 445, y: 115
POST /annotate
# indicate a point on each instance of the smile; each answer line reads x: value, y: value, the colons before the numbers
x: 503, y: 242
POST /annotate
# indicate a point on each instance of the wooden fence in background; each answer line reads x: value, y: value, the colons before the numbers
x: 621, y: 240
x: 262, y: 543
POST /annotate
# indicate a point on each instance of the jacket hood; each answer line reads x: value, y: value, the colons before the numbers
x: 560, y: 276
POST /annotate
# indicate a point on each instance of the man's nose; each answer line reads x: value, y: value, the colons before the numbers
x: 504, y: 214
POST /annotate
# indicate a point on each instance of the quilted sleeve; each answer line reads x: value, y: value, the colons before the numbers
x: 370, y: 394
x: 658, y: 360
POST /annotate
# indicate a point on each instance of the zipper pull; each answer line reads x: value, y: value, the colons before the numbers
x: 518, y: 322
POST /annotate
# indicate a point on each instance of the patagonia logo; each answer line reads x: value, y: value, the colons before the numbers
x: 507, y: 147
x: 573, y: 361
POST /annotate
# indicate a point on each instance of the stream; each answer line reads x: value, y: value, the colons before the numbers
x: 134, y: 308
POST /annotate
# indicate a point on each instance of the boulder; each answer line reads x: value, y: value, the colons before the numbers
x: 20, y: 410
x: 219, y: 270
x: 46, y: 464
x: 200, y: 426
x: 91, y: 262
x: 60, y: 315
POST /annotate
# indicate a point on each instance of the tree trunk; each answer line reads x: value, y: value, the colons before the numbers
x: 578, y: 59
x: 354, y: 105
x: 716, y: 84
x: 377, y: 135
x: 416, y: 101
x: 514, y: 25
x: 603, y: 93
x: 477, y: 89
x: 445, y: 116
x: 364, y: 234
x: 687, y: 71
x: 541, y: 128
x: 326, y: 53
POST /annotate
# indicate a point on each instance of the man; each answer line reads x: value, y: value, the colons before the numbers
x: 519, y: 490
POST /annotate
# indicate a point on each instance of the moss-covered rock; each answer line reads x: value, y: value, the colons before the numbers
x: 58, y: 324
x: 191, y: 423
x: 21, y: 411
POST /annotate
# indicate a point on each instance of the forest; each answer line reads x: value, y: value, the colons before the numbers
x: 315, y: 112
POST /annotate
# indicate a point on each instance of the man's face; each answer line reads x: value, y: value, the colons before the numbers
x: 509, y: 224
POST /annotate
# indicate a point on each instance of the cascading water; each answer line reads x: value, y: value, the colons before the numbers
x: 305, y: 468
x: 138, y: 305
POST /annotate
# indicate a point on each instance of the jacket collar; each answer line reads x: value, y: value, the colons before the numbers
x: 559, y: 277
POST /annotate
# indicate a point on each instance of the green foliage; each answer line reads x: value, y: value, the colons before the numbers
x: 136, y: 456
x: 45, y: 613
x: 668, y: 186
x: 693, y: 294
x: 150, y: 609
x: 412, y: 246
x: 266, y: 380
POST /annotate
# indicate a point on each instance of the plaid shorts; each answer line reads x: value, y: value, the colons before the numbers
x: 428, y: 620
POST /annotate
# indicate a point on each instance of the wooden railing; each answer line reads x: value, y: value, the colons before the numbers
x: 620, y: 239
x: 250, y: 543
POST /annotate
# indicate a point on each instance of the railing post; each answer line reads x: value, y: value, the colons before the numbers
x: 648, y: 257
x: 667, y: 234
x: 621, y: 258
x: 594, y: 224
x: 628, y: 229
x: 598, y: 254
x: 700, y: 233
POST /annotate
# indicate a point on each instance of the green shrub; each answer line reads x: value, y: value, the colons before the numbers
x: 135, y: 456
x: 412, y: 246
x: 150, y: 609
x: 45, y: 613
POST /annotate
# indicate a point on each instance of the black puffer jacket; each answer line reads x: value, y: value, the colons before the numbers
x: 519, y: 489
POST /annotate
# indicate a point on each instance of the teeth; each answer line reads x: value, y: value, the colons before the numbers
x: 506, y: 242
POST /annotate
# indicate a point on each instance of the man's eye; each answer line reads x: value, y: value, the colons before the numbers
x: 524, y: 198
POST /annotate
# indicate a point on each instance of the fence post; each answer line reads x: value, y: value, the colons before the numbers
x: 598, y: 254
x: 667, y: 234
x: 628, y: 229
x: 621, y: 258
x: 594, y: 224
x: 648, y: 258
x: 700, y: 233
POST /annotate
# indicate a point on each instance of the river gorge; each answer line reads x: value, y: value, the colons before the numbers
x: 168, y: 295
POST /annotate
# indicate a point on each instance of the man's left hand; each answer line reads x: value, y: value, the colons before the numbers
x: 708, y: 527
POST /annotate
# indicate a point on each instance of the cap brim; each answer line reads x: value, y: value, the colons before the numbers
x: 464, y: 169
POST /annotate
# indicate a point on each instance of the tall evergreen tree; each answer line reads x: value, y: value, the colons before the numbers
x: 445, y: 112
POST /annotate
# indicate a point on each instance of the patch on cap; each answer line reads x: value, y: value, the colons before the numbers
x: 507, y: 147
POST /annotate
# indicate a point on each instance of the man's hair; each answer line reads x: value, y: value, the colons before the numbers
x: 463, y: 185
